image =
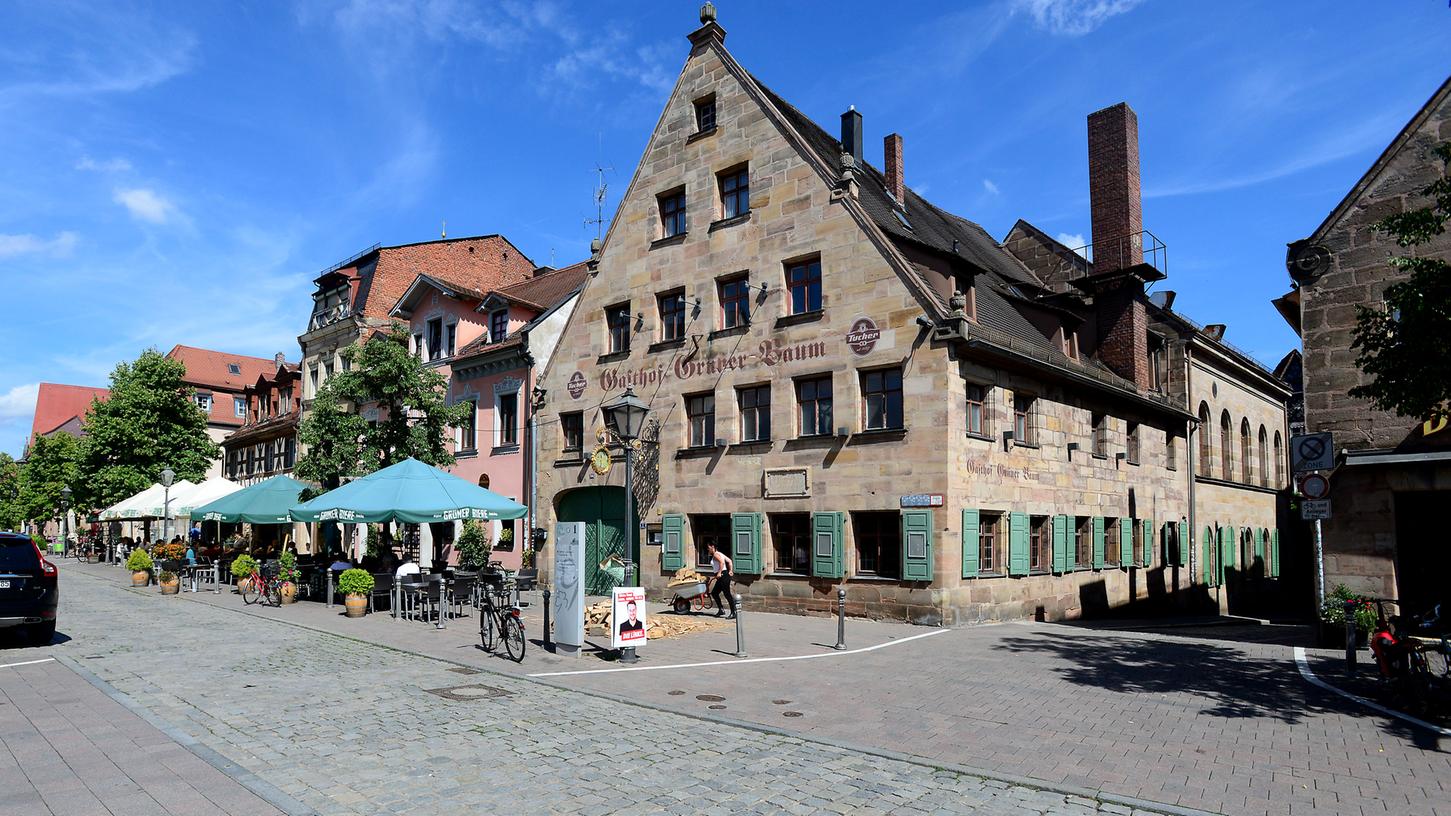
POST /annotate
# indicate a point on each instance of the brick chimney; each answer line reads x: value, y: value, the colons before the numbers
x: 892, y: 164
x: 1118, y: 223
x: 1113, y: 188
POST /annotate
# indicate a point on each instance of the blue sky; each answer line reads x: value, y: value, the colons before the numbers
x: 178, y: 173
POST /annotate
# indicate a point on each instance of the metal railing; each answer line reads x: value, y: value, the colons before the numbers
x: 1117, y: 253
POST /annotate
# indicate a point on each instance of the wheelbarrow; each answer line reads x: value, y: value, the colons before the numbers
x: 690, y: 597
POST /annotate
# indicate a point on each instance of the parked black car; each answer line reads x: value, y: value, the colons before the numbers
x: 29, y: 588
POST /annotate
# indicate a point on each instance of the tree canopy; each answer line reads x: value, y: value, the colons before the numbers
x: 53, y: 465
x: 11, y: 514
x: 1406, y: 346
x: 149, y: 423
x: 386, y: 406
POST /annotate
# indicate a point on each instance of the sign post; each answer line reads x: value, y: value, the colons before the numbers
x: 568, y: 595
x: 1311, y: 452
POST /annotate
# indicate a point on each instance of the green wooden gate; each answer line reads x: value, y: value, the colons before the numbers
x: 602, y: 509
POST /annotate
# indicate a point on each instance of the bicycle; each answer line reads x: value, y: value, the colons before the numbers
x: 1413, y: 658
x: 262, y: 586
x: 499, y: 618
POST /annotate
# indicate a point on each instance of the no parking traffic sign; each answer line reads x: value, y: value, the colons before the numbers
x: 1312, y: 452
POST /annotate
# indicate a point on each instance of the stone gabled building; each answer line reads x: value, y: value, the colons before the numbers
x: 852, y: 388
x: 1393, y: 474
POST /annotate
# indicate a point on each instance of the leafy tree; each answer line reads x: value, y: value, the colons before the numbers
x: 1406, y: 346
x: 473, y: 546
x: 413, y: 416
x: 149, y: 423
x: 53, y: 464
x: 11, y: 515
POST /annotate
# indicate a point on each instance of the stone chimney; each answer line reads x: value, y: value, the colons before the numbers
x: 892, y: 165
x: 1113, y: 188
x: 280, y: 359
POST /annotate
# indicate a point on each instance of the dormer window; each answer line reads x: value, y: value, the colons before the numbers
x: 435, y: 338
x: 705, y: 114
x: 498, y: 325
x: 233, y: 369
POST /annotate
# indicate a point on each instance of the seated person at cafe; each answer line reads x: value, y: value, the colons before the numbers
x: 339, y: 562
x: 408, y: 567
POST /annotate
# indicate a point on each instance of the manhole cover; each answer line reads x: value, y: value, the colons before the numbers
x: 464, y: 670
x: 710, y: 698
x: 790, y: 713
x: 477, y: 691
x: 780, y: 702
x: 715, y: 707
x: 675, y: 692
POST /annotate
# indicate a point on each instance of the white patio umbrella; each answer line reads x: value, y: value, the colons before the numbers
x: 131, y: 508
x: 204, y: 493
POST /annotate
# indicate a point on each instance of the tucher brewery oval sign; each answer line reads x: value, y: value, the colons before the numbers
x: 863, y: 336
x: 576, y: 385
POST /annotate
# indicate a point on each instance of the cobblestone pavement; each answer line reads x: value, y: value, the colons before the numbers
x: 347, y: 727
x: 69, y: 748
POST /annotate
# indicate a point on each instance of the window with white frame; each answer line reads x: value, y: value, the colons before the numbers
x: 498, y: 325
x: 204, y: 402
x: 239, y: 407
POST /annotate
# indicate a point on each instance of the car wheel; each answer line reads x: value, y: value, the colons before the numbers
x: 41, y: 634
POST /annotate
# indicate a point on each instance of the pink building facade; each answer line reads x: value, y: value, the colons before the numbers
x: 488, y: 345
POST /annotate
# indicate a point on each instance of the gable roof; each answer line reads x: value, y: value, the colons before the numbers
x: 476, y: 264
x: 57, y: 404
x: 208, y: 368
x: 1439, y: 98
x: 544, y: 293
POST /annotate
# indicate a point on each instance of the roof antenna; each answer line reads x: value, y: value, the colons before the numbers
x: 601, y: 188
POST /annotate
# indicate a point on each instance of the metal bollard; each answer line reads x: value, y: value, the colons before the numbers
x: 1350, y: 638
x: 548, y: 633
x: 329, y: 589
x: 216, y: 578
x: 840, y: 620
x: 740, y: 633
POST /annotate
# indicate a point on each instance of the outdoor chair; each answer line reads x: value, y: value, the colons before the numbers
x: 461, y: 593
x: 428, y: 595
x: 382, y: 588
x: 409, y: 587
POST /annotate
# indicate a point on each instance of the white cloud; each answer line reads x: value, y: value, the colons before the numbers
x: 145, y: 204
x: 1072, y: 240
x: 990, y: 186
x: 96, y: 51
x: 28, y: 244
x: 19, y: 401
x: 1073, y: 18
x: 117, y: 165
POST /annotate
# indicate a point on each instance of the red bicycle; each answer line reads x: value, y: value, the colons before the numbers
x: 262, y: 586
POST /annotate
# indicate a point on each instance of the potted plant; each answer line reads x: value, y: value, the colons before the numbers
x: 140, y: 564
x: 355, y: 584
x: 287, y: 576
x: 169, y: 583
x: 473, y: 546
x: 242, y: 569
x: 1332, y: 617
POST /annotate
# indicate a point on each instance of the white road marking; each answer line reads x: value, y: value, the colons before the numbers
x: 1305, y: 672
x: 26, y: 663
x: 747, y: 659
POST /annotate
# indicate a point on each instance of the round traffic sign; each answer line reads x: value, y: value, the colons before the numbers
x: 1315, y: 486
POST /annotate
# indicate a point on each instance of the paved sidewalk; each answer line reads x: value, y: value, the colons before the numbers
x: 349, y: 727
x: 68, y: 748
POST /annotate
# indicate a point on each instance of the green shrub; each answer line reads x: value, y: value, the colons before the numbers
x: 244, y: 566
x: 139, y: 561
x: 287, y: 567
x: 166, y: 577
x: 355, y: 582
x: 1333, y: 610
x: 473, y: 546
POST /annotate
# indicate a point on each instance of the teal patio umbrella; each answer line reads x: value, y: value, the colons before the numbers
x: 266, y: 502
x: 410, y: 492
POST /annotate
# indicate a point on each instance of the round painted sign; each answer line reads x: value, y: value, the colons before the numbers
x: 576, y: 385
x: 863, y: 336
x: 1315, y: 486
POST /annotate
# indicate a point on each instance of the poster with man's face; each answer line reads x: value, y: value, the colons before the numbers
x: 627, y: 623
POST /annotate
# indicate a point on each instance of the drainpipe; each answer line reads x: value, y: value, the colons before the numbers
x: 1192, y: 455
x: 531, y: 485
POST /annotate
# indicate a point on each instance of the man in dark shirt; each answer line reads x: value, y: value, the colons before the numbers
x: 633, y: 624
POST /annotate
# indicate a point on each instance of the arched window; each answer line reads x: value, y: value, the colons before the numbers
x: 1226, y: 447
x: 1264, y: 451
x: 1279, y: 462
x: 1246, y: 453
x: 1206, y: 447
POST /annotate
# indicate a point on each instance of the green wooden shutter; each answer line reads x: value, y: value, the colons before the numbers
x: 826, y: 545
x: 1018, y: 544
x: 1098, y: 543
x: 970, y: 544
x: 1226, y: 552
x: 917, y: 545
x: 1060, y: 545
x: 1207, y: 566
x: 1274, y: 553
x: 672, y: 542
x: 1185, y: 538
x: 1126, y: 542
x: 1260, y: 551
x: 746, y: 543
x: 1148, y: 538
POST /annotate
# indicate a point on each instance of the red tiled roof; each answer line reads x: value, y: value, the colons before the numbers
x: 56, y: 404
x: 479, y: 264
x: 543, y: 291
x: 208, y: 369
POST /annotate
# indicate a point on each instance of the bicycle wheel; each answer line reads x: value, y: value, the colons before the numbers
x: 249, y: 591
x: 514, y: 642
x: 486, y: 628
x: 274, y: 593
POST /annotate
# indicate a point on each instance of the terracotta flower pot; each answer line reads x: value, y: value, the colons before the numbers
x: 170, y: 587
x: 140, y: 578
x: 356, y: 605
x: 288, y: 592
x: 244, y: 584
